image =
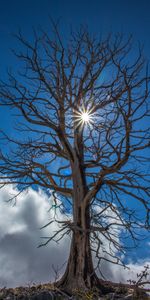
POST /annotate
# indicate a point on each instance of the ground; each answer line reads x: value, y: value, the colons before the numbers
x: 49, y: 291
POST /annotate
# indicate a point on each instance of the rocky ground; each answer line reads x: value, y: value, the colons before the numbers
x: 49, y: 292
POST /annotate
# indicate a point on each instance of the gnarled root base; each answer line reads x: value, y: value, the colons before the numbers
x: 71, y: 285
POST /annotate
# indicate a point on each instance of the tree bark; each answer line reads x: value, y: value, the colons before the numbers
x: 80, y: 271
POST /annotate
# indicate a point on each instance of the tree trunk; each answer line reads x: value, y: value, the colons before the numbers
x: 80, y: 271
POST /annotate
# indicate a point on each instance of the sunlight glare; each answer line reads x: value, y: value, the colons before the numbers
x: 85, y: 117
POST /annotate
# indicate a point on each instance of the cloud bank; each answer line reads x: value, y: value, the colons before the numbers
x: 21, y: 262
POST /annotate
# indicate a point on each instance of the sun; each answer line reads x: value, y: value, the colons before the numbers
x: 85, y: 117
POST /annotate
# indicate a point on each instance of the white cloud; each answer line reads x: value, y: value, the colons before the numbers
x: 117, y: 273
x: 21, y: 262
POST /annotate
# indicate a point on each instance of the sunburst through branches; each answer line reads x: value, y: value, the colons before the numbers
x: 84, y: 116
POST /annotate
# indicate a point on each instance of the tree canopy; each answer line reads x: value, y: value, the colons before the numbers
x: 82, y: 110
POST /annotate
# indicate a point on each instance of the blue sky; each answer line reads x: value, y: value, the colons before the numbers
x: 100, y: 16
x: 129, y: 17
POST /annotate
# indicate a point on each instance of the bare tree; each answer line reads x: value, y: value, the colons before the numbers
x: 82, y: 110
